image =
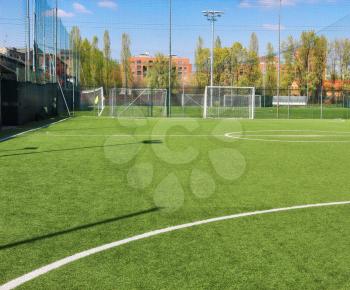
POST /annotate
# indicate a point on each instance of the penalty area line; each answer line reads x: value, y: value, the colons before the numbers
x: 60, y: 263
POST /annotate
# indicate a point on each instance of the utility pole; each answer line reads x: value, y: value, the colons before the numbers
x: 279, y: 59
x: 212, y: 16
x: 170, y: 57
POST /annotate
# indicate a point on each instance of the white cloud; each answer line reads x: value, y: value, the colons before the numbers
x: 266, y: 3
x: 60, y: 13
x: 81, y: 8
x: 108, y: 4
x: 272, y: 27
x: 245, y: 4
x: 64, y: 14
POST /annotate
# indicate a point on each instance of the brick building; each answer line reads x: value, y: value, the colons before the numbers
x: 140, y: 65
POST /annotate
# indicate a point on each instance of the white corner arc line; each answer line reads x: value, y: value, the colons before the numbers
x: 60, y: 263
x: 32, y: 130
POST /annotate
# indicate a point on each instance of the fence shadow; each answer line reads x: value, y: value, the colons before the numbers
x: 78, y: 228
x: 72, y: 149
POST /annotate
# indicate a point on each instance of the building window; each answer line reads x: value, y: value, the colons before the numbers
x: 139, y: 62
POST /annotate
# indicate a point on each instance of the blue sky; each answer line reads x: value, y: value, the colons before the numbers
x: 146, y: 21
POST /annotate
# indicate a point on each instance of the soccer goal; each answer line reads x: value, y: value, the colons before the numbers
x: 229, y: 102
x: 144, y: 102
x: 92, y: 100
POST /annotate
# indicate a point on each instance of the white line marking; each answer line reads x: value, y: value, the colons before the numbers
x: 47, y: 133
x: 60, y: 263
x: 248, y: 136
x: 31, y: 130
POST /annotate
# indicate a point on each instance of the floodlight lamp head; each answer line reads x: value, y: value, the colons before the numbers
x: 212, y: 15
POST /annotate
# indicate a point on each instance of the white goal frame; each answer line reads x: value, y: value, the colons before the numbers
x: 208, y: 90
x: 101, y: 102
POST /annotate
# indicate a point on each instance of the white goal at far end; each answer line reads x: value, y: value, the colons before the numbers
x: 229, y: 102
x: 93, y: 99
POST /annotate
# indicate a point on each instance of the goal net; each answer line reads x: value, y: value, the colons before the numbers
x: 144, y: 102
x: 192, y: 100
x: 92, y: 100
x: 229, y: 102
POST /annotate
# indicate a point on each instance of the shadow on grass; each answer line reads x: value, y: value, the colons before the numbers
x: 76, y: 148
x: 78, y: 228
x: 20, y: 149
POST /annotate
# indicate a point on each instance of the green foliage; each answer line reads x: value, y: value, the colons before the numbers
x: 289, y: 54
x: 218, y: 42
x: 125, y: 60
x: 107, y: 58
x: 311, y: 60
x: 271, y: 71
x: 202, y: 64
x: 158, y: 74
x: 339, y: 59
x: 97, y: 68
x: 252, y: 74
x: 232, y: 65
x: 254, y: 43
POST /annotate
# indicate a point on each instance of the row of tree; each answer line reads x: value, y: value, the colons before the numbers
x: 96, y: 66
x: 306, y: 63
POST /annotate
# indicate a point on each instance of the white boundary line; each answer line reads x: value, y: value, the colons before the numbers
x: 240, y: 136
x: 60, y: 263
x: 47, y: 133
x: 31, y: 130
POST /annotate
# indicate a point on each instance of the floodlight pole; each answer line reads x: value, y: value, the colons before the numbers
x: 279, y: 59
x: 28, y: 42
x: 212, y: 16
x: 170, y: 58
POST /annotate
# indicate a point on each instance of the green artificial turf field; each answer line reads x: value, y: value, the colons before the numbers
x: 89, y: 181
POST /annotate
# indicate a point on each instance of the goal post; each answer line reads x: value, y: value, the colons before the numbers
x: 93, y: 100
x: 229, y: 102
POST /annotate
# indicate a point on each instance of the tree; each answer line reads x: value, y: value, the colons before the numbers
x: 289, y: 56
x: 271, y: 71
x: 75, y: 40
x: 254, y: 44
x: 202, y: 64
x: 218, y: 42
x: 237, y: 59
x: 252, y: 74
x: 125, y: 60
x: 158, y: 74
x: 311, y: 62
x: 319, y: 63
x: 85, y: 63
x: 107, y: 58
